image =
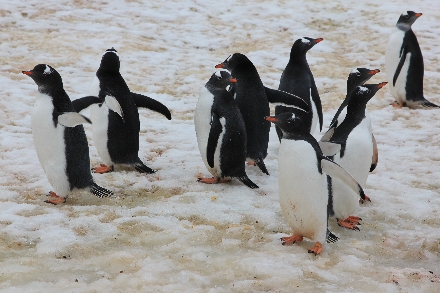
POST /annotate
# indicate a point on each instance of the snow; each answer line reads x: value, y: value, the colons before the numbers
x: 166, y: 232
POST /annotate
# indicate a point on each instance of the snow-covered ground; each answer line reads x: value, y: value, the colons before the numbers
x: 168, y: 233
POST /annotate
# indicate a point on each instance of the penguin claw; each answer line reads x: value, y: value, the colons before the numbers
x: 349, y: 223
x: 317, y: 249
x: 291, y: 239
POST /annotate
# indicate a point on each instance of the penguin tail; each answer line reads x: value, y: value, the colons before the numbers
x: 246, y: 181
x: 260, y: 163
x: 331, y: 238
x: 142, y: 168
x: 428, y: 104
x: 100, y: 191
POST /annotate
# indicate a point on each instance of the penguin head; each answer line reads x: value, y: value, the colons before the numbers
x: 220, y: 81
x: 46, y: 78
x: 290, y: 122
x: 362, y: 94
x: 110, y: 61
x: 301, y: 46
x: 358, y: 77
x: 234, y: 60
x: 407, y: 19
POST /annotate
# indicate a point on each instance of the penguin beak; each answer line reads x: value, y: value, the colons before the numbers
x: 319, y: 40
x: 27, y: 72
x: 373, y: 72
x: 221, y: 65
x: 382, y: 84
x: 271, y: 119
x: 418, y: 14
x: 233, y: 79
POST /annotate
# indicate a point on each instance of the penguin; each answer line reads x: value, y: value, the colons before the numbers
x: 59, y: 138
x: 253, y: 98
x: 302, y: 180
x: 356, y: 78
x: 404, y: 64
x: 115, y: 116
x: 356, y: 149
x: 220, y: 130
x: 297, y: 79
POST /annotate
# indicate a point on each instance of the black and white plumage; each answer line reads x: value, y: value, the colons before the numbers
x: 356, y: 149
x: 221, y: 132
x: 115, y: 116
x: 302, y: 180
x: 59, y: 139
x: 297, y: 79
x: 404, y: 64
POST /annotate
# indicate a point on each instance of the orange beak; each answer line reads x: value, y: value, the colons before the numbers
x: 27, y: 72
x: 319, y: 40
x: 419, y: 14
x: 221, y: 65
x: 372, y: 72
x: 382, y: 84
x: 233, y: 79
x: 271, y: 119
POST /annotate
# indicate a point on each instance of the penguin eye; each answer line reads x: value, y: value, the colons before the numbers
x: 218, y: 78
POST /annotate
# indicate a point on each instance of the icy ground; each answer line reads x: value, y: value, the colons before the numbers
x: 168, y: 233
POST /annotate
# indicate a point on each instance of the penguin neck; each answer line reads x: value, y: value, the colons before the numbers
x: 403, y: 27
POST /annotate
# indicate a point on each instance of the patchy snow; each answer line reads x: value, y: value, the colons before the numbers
x: 166, y: 232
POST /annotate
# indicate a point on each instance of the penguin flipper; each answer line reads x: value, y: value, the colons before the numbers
x: 331, y: 238
x: 100, y: 191
x: 246, y: 181
x: 114, y: 105
x: 214, y: 134
x: 280, y: 97
x: 72, y: 119
x: 152, y: 104
x: 337, y: 172
x: 85, y: 102
x: 329, y: 149
x: 375, y: 157
x: 403, y: 52
x: 328, y: 135
x: 317, y: 100
x: 142, y: 168
x: 260, y: 163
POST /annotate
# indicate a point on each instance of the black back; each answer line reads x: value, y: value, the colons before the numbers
x: 251, y: 99
x: 76, y: 147
x: 297, y: 78
x: 123, y: 134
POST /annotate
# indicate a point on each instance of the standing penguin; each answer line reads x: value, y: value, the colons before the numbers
x: 220, y: 130
x: 354, y: 137
x: 404, y: 64
x: 356, y: 78
x: 302, y: 180
x: 115, y: 118
x: 297, y: 79
x: 253, y: 98
x: 60, y: 140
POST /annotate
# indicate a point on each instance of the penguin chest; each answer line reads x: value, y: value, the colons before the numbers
x: 392, y: 59
x: 50, y: 144
x: 99, y: 115
x: 202, y: 123
x: 302, y: 189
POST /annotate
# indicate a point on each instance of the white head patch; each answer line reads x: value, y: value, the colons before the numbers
x: 228, y: 58
x: 355, y: 71
x: 217, y: 73
x: 363, y: 89
x: 228, y: 88
x: 293, y: 116
x: 405, y: 13
x: 114, y: 52
x: 305, y: 41
x: 47, y: 70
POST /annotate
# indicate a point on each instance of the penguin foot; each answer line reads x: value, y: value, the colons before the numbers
x: 103, y: 168
x: 350, y: 223
x: 317, y: 249
x: 395, y: 104
x: 56, y: 199
x: 362, y: 201
x: 251, y: 164
x: 291, y: 239
x: 213, y: 180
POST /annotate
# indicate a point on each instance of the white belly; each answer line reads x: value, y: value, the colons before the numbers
x: 99, y: 118
x: 202, y: 123
x: 357, y: 162
x: 392, y: 59
x: 49, y: 144
x: 303, y: 191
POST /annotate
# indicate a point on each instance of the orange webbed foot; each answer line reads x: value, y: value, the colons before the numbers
x: 364, y: 200
x: 103, y: 168
x: 251, y: 163
x: 212, y: 180
x: 317, y: 249
x: 350, y: 223
x: 56, y: 199
x: 395, y: 104
x: 291, y: 239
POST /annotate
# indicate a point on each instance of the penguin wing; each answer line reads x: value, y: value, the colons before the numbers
x: 72, y: 119
x: 403, y: 52
x: 85, y: 102
x: 152, y: 104
x: 317, y: 100
x: 114, y: 105
x: 335, y: 171
x: 280, y: 97
x: 328, y: 135
x: 329, y: 148
x: 214, y: 134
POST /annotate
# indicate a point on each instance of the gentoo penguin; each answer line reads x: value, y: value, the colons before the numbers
x: 297, y: 79
x: 404, y: 64
x: 302, y: 180
x: 115, y: 118
x: 356, y: 78
x: 60, y: 140
x: 253, y: 98
x: 354, y: 137
x: 221, y: 133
